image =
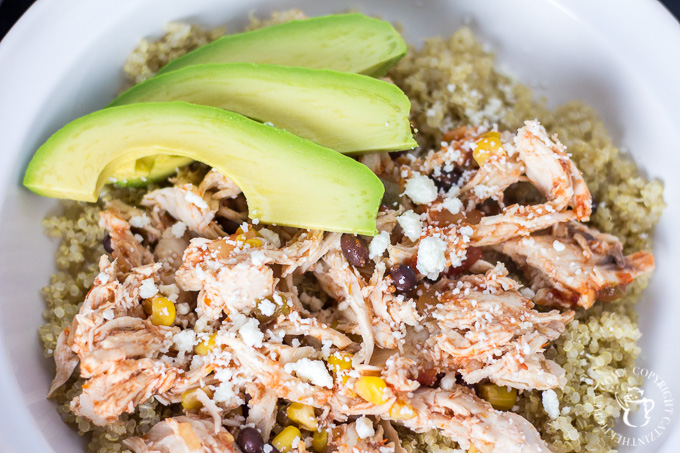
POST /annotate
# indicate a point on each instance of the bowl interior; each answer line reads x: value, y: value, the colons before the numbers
x: 52, y: 71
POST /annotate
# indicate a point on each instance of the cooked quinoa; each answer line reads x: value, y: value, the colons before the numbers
x: 450, y: 82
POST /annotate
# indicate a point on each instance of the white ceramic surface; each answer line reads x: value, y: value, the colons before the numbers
x: 64, y: 58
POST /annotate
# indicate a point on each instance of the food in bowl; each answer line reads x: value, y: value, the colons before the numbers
x: 455, y: 326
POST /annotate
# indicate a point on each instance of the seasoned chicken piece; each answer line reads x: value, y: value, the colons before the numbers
x: 401, y: 373
x: 343, y: 282
x: 127, y: 251
x: 147, y: 222
x: 65, y: 359
x: 304, y: 250
x: 220, y: 186
x: 370, y: 309
x: 231, y: 275
x: 121, y: 388
x: 185, y: 434
x: 392, y: 435
x: 575, y: 265
x: 262, y: 408
x: 350, y: 438
x: 235, y: 271
x: 379, y: 163
x: 516, y: 220
x: 468, y: 420
x: 119, y: 352
x: 454, y: 151
x: 498, y: 173
x: 288, y: 354
x: 106, y: 300
x: 482, y: 327
x: 396, y: 310
x: 549, y: 169
x: 188, y: 205
x: 196, y: 377
x: 270, y: 373
x: 122, y: 338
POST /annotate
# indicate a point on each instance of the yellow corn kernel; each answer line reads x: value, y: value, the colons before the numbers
x: 402, y: 410
x: 284, y: 440
x: 320, y: 441
x: 373, y: 389
x: 500, y: 398
x: 190, y: 400
x: 162, y: 311
x: 249, y: 238
x: 254, y: 242
x: 204, y: 347
x: 473, y: 449
x: 341, y: 363
x: 488, y: 145
x: 303, y: 415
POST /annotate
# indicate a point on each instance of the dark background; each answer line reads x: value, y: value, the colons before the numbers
x: 11, y: 10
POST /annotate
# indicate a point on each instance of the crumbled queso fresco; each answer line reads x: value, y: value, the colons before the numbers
x: 431, y: 257
x: 421, y: 189
x: 411, y: 224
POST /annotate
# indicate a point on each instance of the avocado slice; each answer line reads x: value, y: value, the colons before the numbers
x: 342, y: 42
x: 287, y: 180
x: 142, y: 171
x: 349, y: 113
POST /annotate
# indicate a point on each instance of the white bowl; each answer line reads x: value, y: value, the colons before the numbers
x: 63, y: 59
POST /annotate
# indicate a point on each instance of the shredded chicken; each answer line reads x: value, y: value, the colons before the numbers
x: 185, y: 434
x: 273, y: 315
x: 463, y: 417
x: 187, y: 204
x: 575, y: 265
x: 347, y: 439
x: 128, y: 251
x: 550, y: 170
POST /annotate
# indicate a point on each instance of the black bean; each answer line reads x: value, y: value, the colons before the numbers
x: 594, y: 203
x: 250, y: 440
x: 355, y: 250
x: 139, y: 231
x: 447, y: 179
x: 615, y: 256
x: 404, y: 278
x: 490, y: 207
x: 228, y: 225
x: 107, y: 243
x: 473, y: 255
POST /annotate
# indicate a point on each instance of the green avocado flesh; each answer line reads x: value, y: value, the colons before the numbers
x: 345, y: 42
x: 346, y: 112
x: 349, y: 113
x: 140, y: 172
x: 287, y: 180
